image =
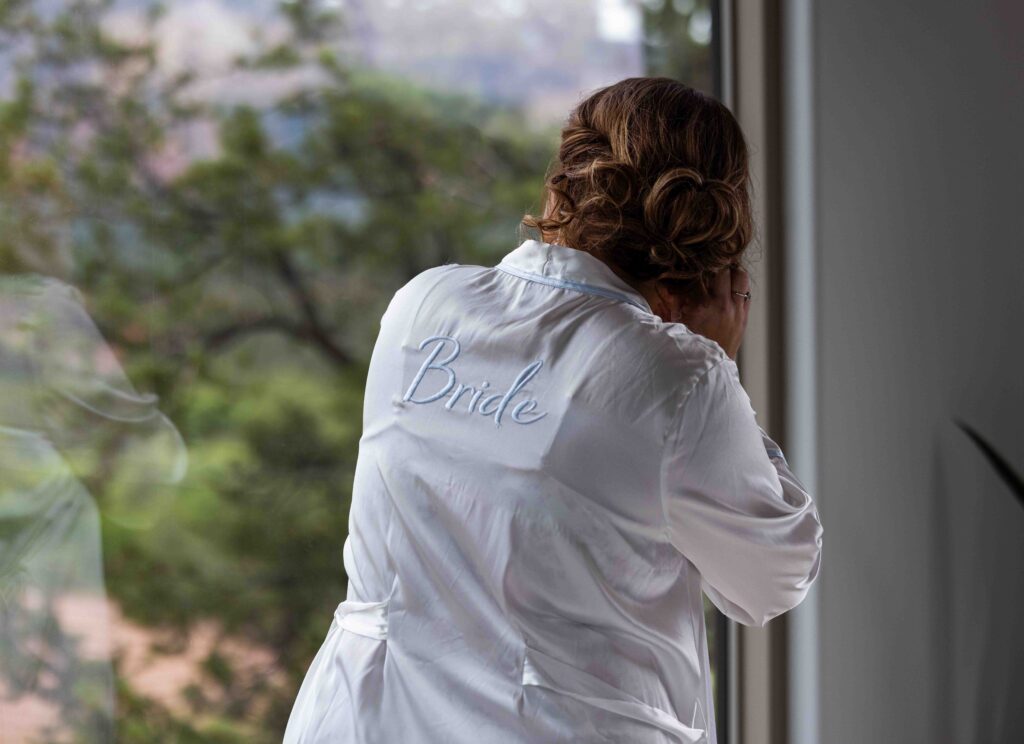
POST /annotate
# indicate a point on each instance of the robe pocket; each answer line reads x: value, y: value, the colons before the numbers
x: 544, y: 670
x: 369, y: 619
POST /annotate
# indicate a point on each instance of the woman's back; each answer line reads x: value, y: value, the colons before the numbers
x: 540, y: 492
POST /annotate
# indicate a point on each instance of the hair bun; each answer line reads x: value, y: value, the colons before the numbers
x: 652, y: 176
x: 687, y: 209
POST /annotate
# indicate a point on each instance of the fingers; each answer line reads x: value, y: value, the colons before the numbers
x: 728, y: 280
x: 740, y: 280
x: 723, y: 318
x: 741, y: 283
x: 721, y: 287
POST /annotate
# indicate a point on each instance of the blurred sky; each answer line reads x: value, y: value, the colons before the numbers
x: 537, y: 54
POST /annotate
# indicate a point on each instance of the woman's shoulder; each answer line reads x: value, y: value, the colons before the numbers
x: 428, y: 277
x: 682, y: 356
x: 419, y: 284
x: 691, y: 346
x: 679, y: 346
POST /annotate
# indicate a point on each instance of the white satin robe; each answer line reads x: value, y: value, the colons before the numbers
x: 549, y: 476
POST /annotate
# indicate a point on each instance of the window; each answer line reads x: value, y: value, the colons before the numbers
x: 205, y: 206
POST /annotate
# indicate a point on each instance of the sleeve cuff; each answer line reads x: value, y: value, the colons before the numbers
x: 773, y: 449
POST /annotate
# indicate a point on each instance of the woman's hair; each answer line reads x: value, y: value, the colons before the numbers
x: 651, y: 176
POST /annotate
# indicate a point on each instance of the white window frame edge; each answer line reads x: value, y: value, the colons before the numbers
x: 801, y: 352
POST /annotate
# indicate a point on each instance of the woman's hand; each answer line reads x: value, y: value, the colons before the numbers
x: 722, y: 316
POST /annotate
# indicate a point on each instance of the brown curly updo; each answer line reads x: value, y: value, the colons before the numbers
x: 651, y: 177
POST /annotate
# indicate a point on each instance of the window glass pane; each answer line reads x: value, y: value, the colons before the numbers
x: 205, y: 206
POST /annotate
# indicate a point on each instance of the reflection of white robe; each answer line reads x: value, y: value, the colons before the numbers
x: 548, y: 477
x: 51, y: 566
x: 60, y: 389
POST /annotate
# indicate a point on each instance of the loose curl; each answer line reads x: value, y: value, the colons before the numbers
x: 653, y: 177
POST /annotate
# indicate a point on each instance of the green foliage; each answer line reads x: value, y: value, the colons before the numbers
x: 670, y: 48
x: 245, y: 290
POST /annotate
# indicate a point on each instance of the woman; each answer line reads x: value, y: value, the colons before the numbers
x: 69, y: 415
x: 558, y: 458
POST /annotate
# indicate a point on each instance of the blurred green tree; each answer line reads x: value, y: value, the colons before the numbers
x: 245, y: 288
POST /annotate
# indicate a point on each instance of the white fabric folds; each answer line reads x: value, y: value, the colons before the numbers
x: 549, y: 478
x: 368, y: 619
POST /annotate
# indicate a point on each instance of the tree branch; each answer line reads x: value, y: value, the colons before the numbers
x: 314, y: 328
x: 226, y: 335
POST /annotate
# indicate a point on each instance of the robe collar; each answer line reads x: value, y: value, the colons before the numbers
x: 561, y: 266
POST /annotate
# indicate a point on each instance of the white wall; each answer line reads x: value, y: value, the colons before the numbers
x: 919, y: 116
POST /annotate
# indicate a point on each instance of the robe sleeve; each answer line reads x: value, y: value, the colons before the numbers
x: 87, y: 404
x: 732, y: 505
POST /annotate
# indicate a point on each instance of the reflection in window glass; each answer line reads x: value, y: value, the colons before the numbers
x: 205, y: 206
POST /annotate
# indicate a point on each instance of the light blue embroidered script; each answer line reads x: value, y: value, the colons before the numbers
x: 490, y: 404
